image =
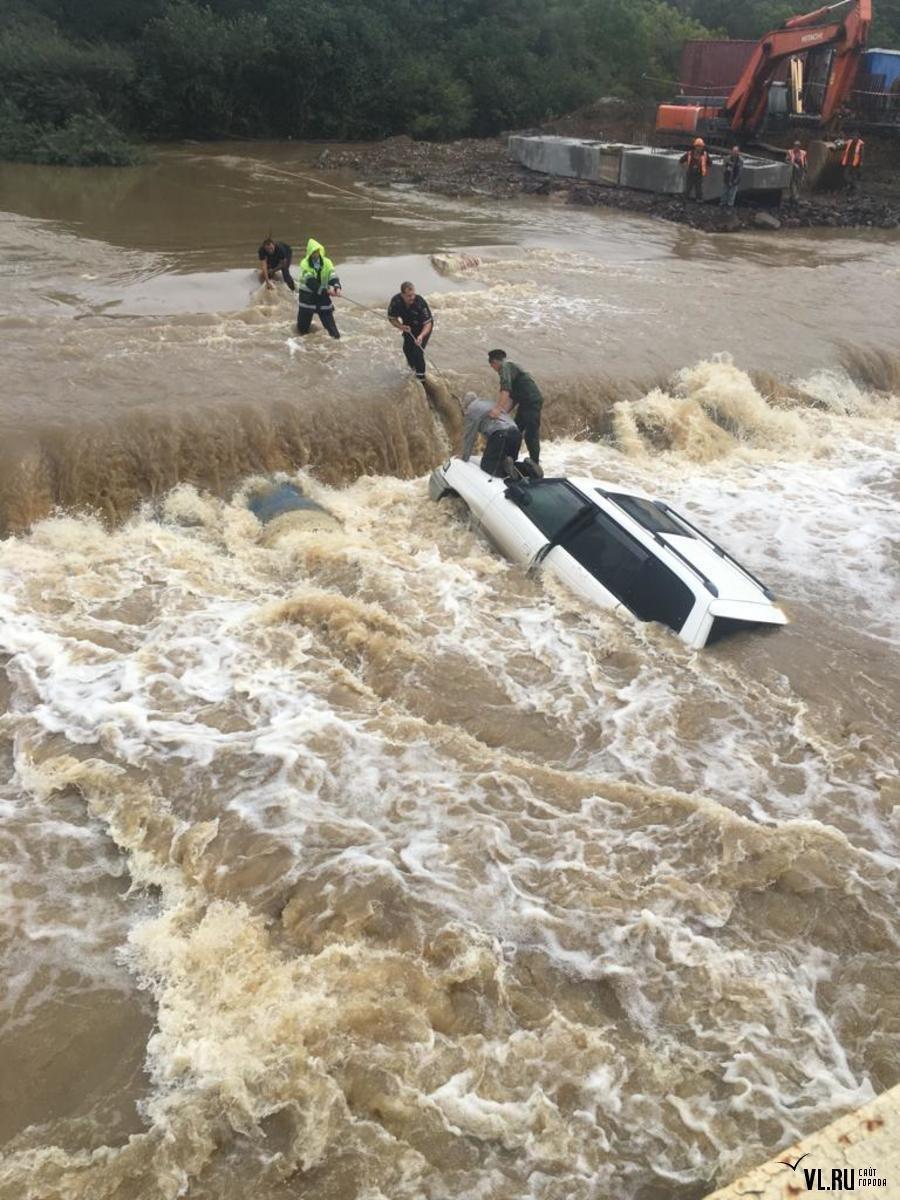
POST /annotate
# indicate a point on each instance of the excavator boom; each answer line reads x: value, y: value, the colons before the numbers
x: 813, y: 17
x: 747, y: 105
x: 746, y: 108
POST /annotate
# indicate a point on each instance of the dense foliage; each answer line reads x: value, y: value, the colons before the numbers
x: 78, y: 72
x: 756, y: 17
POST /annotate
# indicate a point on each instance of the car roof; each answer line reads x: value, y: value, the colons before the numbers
x: 705, y: 562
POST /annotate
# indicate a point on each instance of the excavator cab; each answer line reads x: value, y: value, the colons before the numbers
x: 818, y: 56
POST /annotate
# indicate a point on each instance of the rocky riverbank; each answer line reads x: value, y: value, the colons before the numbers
x: 483, y: 167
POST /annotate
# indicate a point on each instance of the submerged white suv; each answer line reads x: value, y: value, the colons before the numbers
x: 616, y: 547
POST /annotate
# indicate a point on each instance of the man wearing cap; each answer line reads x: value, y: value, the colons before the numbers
x: 696, y: 160
x: 519, y: 391
x: 502, y: 437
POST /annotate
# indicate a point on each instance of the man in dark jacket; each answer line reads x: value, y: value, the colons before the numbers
x: 733, y: 169
x: 274, y: 257
x: 410, y: 313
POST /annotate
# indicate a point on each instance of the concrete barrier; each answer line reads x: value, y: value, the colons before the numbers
x: 646, y: 168
x: 856, y: 1153
x: 571, y: 158
x: 651, y: 170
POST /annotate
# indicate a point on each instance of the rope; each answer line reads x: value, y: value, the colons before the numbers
x: 379, y: 313
x: 323, y: 183
x: 359, y: 196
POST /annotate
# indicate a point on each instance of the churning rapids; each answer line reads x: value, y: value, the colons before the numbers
x: 365, y: 866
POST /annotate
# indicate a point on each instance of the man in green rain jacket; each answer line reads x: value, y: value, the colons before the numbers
x: 318, y: 283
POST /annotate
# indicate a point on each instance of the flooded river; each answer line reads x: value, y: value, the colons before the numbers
x: 361, y: 865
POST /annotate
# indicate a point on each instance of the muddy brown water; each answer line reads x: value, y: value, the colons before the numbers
x: 357, y: 865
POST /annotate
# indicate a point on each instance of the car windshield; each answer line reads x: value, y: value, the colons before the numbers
x: 647, y: 514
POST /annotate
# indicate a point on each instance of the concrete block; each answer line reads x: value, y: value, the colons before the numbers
x: 765, y: 175
x: 571, y: 158
x: 646, y: 168
x: 652, y: 170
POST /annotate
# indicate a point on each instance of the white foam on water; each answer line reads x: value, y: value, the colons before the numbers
x: 485, y: 887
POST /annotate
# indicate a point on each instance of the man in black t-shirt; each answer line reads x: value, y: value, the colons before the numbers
x: 410, y: 314
x: 274, y: 257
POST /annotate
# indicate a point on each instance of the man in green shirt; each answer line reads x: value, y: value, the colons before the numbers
x: 519, y: 391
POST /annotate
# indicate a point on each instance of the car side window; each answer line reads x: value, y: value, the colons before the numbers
x: 631, y: 573
x: 551, y: 505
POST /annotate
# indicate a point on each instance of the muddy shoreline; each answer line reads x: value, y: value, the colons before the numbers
x: 483, y: 167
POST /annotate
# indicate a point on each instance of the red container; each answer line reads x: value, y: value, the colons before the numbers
x: 713, y: 67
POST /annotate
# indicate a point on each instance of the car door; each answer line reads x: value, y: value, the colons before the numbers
x: 623, y: 573
x: 531, y: 515
x: 580, y: 580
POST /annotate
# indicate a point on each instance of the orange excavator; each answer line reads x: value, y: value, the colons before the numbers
x: 823, y: 55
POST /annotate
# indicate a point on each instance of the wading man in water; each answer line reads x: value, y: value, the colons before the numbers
x: 318, y: 284
x: 502, y: 437
x: 519, y: 391
x: 410, y: 314
x: 274, y: 257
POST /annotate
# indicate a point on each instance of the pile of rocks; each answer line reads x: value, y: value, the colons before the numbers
x: 482, y: 167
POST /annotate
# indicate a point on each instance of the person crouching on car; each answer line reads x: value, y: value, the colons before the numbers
x: 502, y: 436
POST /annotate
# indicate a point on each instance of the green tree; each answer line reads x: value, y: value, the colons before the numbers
x: 201, y: 74
x: 49, y: 78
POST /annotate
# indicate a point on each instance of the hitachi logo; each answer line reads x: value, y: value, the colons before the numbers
x: 813, y: 37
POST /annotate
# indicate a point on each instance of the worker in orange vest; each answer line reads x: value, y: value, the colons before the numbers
x: 852, y: 161
x: 697, y: 161
x: 797, y: 160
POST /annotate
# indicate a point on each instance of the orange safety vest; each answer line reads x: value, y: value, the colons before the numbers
x: 853, y: 153
x: 698, y: 158
x: 796, y: 158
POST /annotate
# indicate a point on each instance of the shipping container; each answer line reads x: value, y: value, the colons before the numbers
x: 885, y: 63
x: 876, y: 95
x: 713, y: 67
